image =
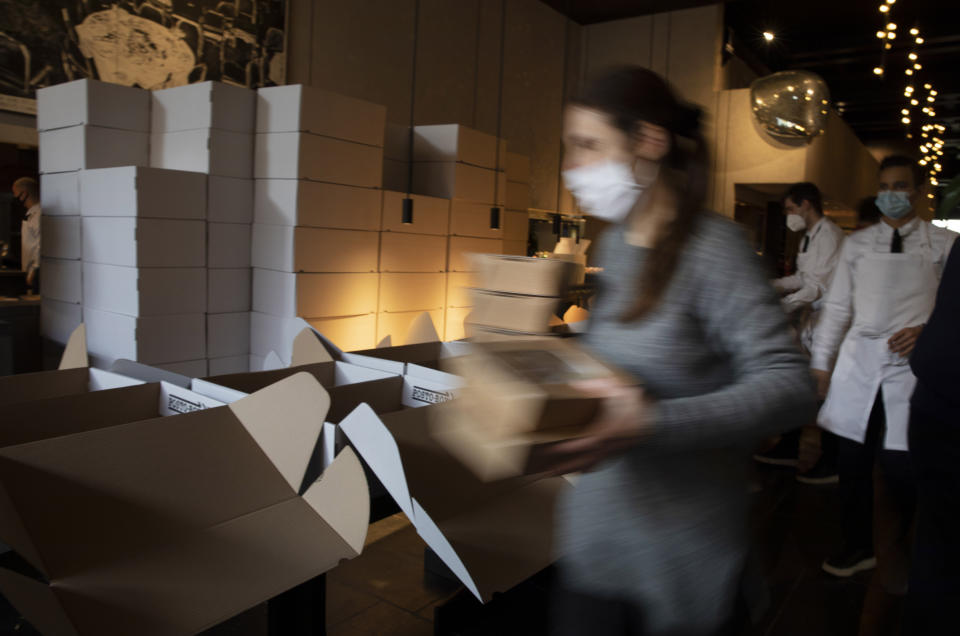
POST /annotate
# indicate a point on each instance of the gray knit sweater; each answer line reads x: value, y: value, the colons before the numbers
x: 663, y: 526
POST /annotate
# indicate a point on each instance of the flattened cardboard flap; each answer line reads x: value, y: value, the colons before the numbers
x: 308, y: 349
x: 422, y: 330
x: 341, y: 496
x: 75, y: 354
x: 302, y: 404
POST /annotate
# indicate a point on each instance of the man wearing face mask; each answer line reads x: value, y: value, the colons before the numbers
x: 802, y: 295
x: 27, y: 192
x: 881, y: 295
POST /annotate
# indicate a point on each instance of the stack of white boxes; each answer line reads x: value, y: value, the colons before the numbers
x: 465, y: 166
x: 82, y: 125
x: 144, y: 281
x: 209, y: 128
x: 516, y: 223
x: 318, y: 165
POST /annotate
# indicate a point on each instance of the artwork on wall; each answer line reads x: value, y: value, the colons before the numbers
x: 152, y: 44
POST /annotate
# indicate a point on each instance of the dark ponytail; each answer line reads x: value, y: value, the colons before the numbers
x: 629, y: 96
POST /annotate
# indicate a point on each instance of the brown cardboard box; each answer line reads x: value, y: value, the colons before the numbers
x: 410, y: 253
x: 518, y: 398
x: 350, y: 333
x: 304, y: 108
x: 168, y: 526
x: 469, y: 218
x: 430, y: 214
x: 511, y: 312
x: 462, y: 248
x: 411, y: 292
x: 301, y: 155
x: 516, y: 225
x: 491, y: 535
x: 518, y: 195
x: 518, y: 167
x: 453, y: 142
x: 451, y: 180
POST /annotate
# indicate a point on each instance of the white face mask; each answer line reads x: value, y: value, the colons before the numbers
x: 795, y: 223
x: 894, y: 204
x: 607, y: 190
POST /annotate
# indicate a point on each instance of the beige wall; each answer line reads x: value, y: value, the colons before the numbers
x: 364, y: 48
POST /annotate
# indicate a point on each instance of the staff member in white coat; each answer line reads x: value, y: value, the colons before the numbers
x: 27, y: 192
x: 802, y: 297
x: 882, y: 293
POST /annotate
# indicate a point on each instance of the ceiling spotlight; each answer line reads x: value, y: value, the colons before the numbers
x: 928, y: 86
x: 768, y: 36
x: 914, y: 31
x: 912, y: 56
x: 878, y: 70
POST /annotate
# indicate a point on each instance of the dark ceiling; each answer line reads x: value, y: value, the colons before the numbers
x: 837, y: 40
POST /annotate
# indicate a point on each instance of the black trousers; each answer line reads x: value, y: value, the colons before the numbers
x: 856, y: 463
x: 935, y: 570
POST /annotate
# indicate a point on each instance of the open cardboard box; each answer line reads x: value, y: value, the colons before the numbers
x: 168, y: 526
x: 492, y: 535
x: 516, y: 400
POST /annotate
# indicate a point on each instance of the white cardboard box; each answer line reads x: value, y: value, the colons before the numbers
x: 62, y: 279
x: 518, y: 196
x: 430, y: 214
x: 396, y: 142
x: 351, y: 333
x: 461, y: 247
x: 228, y: 334
x: 453, y: 142
x: 409, y: 253
x: 95, y: 103
x: 518, y: 167
x: 314, y: 204
x: 224, y: 153
x: 459, y: 286
x: 203, y: 105
x: 228, y: 290
x: 144, y: 192
x: 228, y: 245
x: 396, y: 175
x: 314, y: 295
x: 273, y: 334
x: 228, y: 365
x: 189, y: 368
x: 450, y: 180
x: 296, y: 155
x: 148, y: 339
x: 411, y: 292
x: 397, y: 326
x: 307, y: 249
x: 89, y: 147
x: 229, y: 200
x: 516, y: 225
x: 515, y: 248
x: 59, y: 319
x: 60, y: 194
x: 469, y: 218
x: 60, y: 237
x: 454, y: 329
x: 136, y: 242
x: 297, y: 108
x: 145, y: 291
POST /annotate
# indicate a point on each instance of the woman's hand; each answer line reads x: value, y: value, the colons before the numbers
x: 904, y: 340
x: 620, y: 424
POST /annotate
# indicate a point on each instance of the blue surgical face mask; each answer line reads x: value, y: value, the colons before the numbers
x: 894, y: 204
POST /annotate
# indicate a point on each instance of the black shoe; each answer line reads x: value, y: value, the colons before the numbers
x: 822, y: 474
x: 849, y: 562
x: 783, y: 453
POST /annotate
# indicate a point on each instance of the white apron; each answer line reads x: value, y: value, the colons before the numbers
x: 809, y: 322
x: 891, y: 291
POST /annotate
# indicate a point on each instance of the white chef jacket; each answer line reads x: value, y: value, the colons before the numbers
x: 850, y: 331
x: 814, y: 267
x: 30, y: 240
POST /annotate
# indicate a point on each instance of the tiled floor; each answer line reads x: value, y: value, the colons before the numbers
x: 385, y: 591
